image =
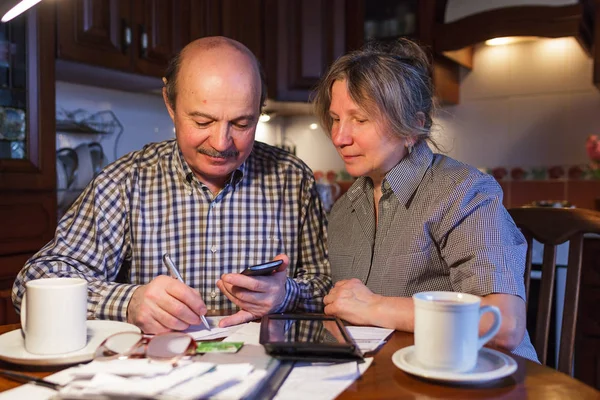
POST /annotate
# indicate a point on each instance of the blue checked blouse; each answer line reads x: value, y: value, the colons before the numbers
x: 149, y: 202
x: 442, y: 226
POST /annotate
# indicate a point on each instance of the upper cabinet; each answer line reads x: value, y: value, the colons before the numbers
x: 303, y: 39
x: 461, y: 24
x: 390, y: 19
x: 226, y: 18
x: 133, y: 36
x: 27, y: 143
x: 464, y: 24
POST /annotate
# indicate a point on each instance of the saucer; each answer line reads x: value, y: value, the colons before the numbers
x: 12, y: 345
x: 491, y: 364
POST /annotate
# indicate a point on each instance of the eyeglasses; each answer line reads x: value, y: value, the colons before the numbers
x: 169, y: 346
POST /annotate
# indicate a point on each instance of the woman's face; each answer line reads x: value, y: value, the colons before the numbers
x: 363, y: 139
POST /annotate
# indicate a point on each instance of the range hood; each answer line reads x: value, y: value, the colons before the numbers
x: 462, y: 23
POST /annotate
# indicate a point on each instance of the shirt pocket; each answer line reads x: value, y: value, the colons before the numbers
x: 258, y: 250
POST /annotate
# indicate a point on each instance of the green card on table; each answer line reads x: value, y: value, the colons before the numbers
x: 218, y: 347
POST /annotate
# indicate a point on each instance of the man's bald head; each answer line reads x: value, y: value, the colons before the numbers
x: 204, y: 46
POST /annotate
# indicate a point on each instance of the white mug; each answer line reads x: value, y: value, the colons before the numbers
x: 447, y: 330
x: 53, y: 315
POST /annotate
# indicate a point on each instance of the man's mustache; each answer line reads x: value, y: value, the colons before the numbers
x: 218, y: 154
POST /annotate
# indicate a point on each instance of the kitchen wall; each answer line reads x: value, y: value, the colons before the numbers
x: 526, y: 104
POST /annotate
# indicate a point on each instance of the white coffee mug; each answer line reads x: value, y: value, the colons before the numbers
x: 53, y: 315
x: 447, y: 330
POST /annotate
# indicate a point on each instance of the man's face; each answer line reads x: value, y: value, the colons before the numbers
x: 215, y: 117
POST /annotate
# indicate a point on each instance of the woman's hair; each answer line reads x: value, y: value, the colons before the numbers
x: 392, y: 80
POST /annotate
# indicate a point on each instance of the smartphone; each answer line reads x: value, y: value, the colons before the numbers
x: 262, y: 269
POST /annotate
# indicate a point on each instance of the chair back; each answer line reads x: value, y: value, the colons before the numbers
x: 551, y: 227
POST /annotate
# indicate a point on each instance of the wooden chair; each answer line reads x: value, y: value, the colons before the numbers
x: 551, y: 227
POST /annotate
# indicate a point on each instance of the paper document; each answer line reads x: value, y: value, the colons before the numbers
x: 369, y: 338
x: 303, y: 382
x: 248, y: 334
x: 199, y: 332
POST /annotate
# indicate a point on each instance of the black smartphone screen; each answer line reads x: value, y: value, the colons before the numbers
x: 262, y: 269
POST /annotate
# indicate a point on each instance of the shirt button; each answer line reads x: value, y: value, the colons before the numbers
x: 386, y: 185
x: 213, y: 294
x: 213, y: 248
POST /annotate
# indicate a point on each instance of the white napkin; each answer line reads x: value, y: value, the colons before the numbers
x: 109, y: 384
x: 214, y: 382
x: 125, y: 367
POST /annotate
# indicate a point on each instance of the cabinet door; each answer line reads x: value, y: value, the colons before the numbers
x: 224, y: 18
x: 96, y: 32
x: 246, y: 27
x: 205, y: 18
x: 158, y: 34
x: 310, y: 36
x: 27, y: 105
x: 27, y: 146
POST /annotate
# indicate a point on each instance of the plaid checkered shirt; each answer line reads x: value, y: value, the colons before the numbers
x: 441, y: 226
x: 149, y: 202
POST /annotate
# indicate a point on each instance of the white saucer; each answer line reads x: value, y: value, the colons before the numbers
x: 491, y: 364
x: 12, y: 345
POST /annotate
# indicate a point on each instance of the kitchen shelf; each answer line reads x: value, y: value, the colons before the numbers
x: 80, y: 121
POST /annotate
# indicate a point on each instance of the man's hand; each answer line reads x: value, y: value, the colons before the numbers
x: 165, y: 304
x: 351, y: 301
x: 255, y: 295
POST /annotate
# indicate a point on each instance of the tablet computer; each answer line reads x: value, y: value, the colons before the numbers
x: 307, y: 337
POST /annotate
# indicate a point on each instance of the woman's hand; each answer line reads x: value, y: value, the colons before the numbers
x: 353, y: 302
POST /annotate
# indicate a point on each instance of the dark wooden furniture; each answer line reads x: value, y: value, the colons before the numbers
x: 304, y: 37
x: 28, y: 185
x: 551, y: 227
x: 383, y: 380
x: 587, y: 344
x: 134, y: 36
x: 529, y: 20
x: 446, y: 73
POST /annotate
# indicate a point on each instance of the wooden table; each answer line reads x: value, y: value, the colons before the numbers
x: 384, y: 381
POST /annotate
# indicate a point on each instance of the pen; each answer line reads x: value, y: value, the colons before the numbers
x: 16, y: 376
x: 169, y: 263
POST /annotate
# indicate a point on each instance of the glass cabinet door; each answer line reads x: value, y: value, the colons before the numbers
x: 13, y: 89
x: 27, y: 100
x: 389, y: 19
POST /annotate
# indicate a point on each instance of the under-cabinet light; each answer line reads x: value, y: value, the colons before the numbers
x: 501, y: 41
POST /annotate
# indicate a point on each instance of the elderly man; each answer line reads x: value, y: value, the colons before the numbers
x: 214, y: 199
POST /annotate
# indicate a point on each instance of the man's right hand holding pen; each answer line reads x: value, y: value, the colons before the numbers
x: 167, y: 304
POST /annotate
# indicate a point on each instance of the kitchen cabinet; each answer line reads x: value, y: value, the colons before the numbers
x: 390, y: 19
x: 304, y: 38
x: 223, y: 18
x: 27, y: 169
x: 132, y: 36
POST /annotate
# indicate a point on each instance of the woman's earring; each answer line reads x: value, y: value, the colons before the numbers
x: 409, y: 148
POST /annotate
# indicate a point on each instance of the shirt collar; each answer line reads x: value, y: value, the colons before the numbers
x: 406, y: 176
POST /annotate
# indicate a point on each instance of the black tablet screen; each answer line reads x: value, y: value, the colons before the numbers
x: 305, y: 331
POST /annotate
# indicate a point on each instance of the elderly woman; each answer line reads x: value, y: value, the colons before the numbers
x: 414, y: 220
